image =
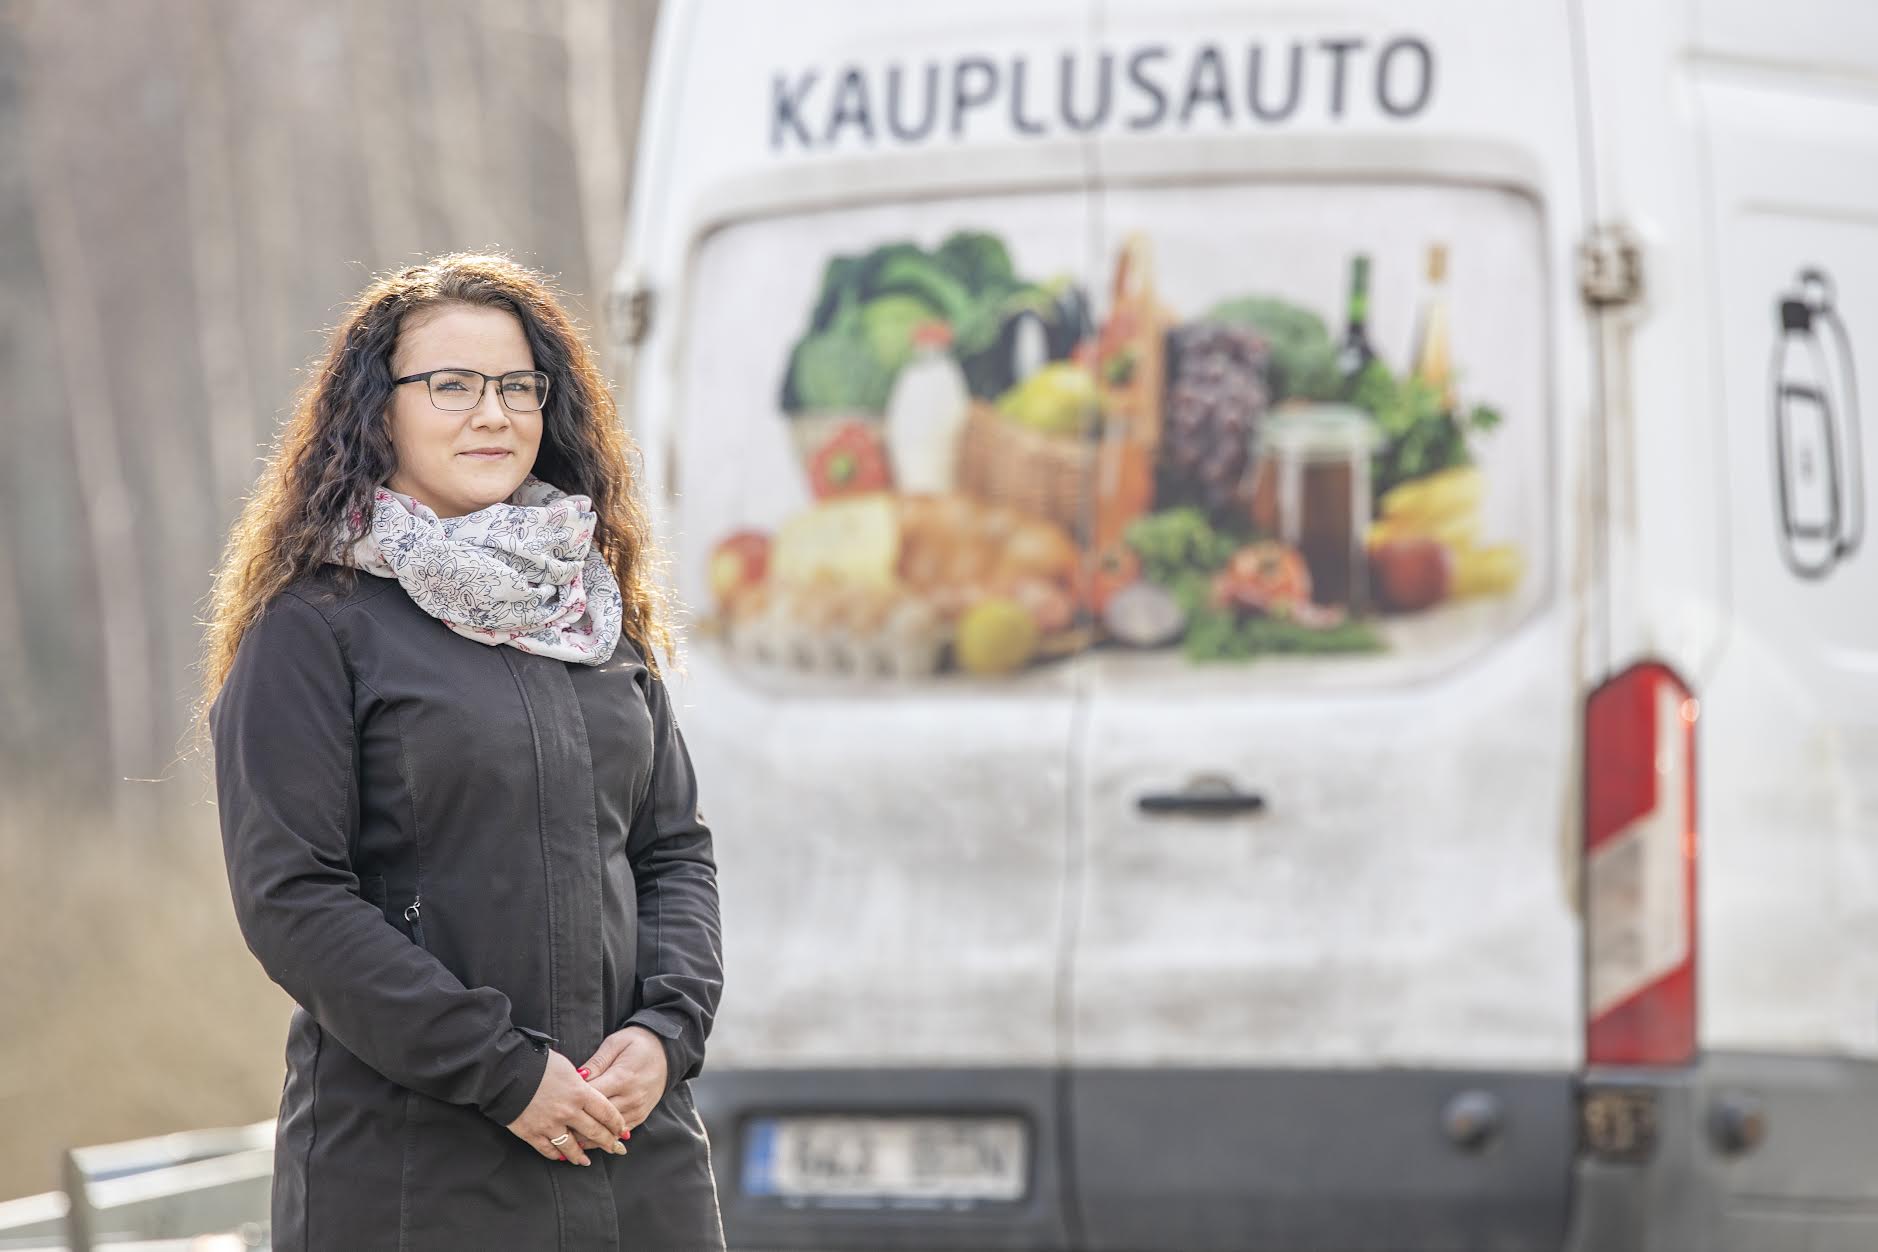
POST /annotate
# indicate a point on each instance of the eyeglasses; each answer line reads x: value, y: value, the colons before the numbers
x: 456, y: 390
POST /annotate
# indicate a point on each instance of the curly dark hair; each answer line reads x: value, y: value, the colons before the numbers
x: 336, y: 448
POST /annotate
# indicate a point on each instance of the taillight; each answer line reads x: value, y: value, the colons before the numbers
x: 1640, y: 870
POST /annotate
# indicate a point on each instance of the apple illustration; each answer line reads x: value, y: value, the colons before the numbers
x: 1412, y: 573
x: 738, y: 562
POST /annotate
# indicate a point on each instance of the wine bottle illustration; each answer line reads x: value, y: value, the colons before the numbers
x: 1355, y: 353
x: 1430, y: 357
x: 1818, y: 458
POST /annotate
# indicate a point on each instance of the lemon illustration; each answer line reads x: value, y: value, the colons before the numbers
x: 995, y: 636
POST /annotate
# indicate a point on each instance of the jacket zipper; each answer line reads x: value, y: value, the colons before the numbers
x: 412, y: 915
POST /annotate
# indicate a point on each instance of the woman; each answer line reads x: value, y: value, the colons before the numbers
x: 460, y: 823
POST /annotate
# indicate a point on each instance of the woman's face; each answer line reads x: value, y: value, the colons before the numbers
x: 440, y: 460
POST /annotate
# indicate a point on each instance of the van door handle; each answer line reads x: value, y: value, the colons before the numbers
x: 1212, y: 794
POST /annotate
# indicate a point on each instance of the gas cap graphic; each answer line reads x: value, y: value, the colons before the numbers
x: 1818, y: 459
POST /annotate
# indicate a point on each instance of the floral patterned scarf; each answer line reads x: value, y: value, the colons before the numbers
x: 523, y: 571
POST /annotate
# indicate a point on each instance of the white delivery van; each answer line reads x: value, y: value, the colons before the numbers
x: 1284, y: 654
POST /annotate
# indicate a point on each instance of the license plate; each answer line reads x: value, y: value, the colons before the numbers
x: 836, y: 1160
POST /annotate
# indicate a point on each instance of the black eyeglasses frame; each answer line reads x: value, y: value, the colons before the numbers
x: 487, y: 379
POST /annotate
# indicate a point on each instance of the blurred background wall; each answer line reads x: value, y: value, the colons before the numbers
x: 191, y: 191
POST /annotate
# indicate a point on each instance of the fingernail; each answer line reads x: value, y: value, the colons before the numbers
x: 584, y: 1073
x: 559, y: 1157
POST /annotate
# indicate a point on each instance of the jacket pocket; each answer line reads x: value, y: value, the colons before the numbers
x: 542, y: 1038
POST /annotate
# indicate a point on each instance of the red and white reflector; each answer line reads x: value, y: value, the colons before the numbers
x: 1640, y: 870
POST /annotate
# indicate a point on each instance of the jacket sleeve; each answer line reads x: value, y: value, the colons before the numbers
x: 286, y: 783
x: 680, y: 973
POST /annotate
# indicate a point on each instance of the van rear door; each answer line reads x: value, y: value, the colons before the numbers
x: 881, y: 665
x: 1325, y: 975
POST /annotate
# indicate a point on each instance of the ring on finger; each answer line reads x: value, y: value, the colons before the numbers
x: 562, y: 1138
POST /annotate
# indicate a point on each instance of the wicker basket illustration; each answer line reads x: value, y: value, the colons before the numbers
x: 1044, y: 475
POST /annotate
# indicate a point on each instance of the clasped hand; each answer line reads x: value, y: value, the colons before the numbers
x: 599, y: 1102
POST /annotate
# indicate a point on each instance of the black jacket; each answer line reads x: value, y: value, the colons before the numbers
x: 450, y: 855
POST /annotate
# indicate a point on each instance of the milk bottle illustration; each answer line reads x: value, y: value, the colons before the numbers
x: 1818, y: 458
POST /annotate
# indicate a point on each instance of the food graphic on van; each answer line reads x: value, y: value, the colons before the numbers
x: 995, y: 478
x: 1819, y: 480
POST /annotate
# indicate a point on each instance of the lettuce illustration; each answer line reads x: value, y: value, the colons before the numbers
x: 861, y: 329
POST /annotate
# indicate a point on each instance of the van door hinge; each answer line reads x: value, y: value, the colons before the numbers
x: 1610, y: 266
x: 631, y: 311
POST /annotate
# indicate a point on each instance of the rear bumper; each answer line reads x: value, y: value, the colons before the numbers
x: 1810, y: 1183
x: 1189, y: 1159
x: 1284, y: 1160
x: 1368, y: 1159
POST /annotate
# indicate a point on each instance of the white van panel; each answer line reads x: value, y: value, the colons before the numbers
x: 885, y: 912
x: 1821, y: 39
x: 1789, y: 805
x: 1410, y: 907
